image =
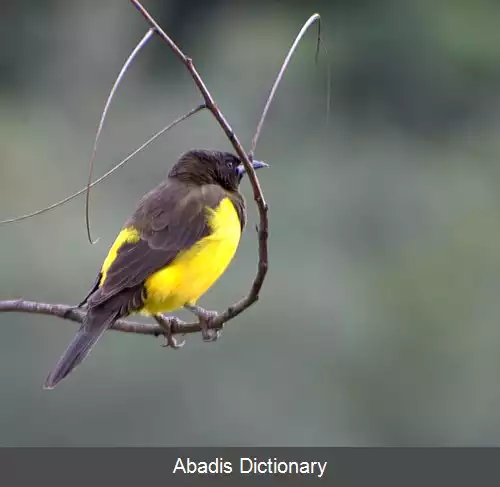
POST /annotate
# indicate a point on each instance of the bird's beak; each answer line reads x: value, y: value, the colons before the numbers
x: 256, y: 165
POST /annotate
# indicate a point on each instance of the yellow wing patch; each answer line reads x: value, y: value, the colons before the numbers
x: 127, y: 235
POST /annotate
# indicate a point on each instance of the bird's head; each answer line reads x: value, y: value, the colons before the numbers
x: 202, y: 166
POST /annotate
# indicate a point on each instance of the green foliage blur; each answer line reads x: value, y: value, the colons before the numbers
x: 379, y: 323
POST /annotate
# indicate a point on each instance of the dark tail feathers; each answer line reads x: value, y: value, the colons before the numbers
x: 88, y: 335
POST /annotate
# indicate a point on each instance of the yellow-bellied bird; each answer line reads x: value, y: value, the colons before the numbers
x: 179, y: 241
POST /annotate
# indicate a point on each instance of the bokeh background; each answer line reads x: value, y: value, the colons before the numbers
x: 379, y: 322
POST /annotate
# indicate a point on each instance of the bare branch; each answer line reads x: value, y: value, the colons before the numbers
x: 210, y: 320
x: 111, y: 171
x: 263, y: 231
x: 303, y: 30
x: 117, y: 82
x: 77, y: 315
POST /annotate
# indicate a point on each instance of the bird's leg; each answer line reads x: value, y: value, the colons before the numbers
x: 165, y: 323
x: 206, y: 317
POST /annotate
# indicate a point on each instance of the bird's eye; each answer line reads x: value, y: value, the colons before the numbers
x: 229, y: 165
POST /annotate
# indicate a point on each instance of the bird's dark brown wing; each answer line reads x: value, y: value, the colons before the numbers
x: 169, y: 219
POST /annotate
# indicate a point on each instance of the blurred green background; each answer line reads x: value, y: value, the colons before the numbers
x: 379, y: 320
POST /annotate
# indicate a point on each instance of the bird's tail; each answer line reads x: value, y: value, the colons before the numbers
x: 89, y: 333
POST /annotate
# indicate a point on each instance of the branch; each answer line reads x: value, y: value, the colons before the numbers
x: 263, y: 231
x: 210, y: 320
x: 72, y: 313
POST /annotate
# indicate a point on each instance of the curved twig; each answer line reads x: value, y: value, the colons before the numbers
x: 117, y: 82
x: 313, y: 18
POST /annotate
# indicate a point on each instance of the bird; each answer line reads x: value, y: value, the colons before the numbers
x: 178, y: 242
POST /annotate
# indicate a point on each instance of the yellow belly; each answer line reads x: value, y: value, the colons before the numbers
x: 195, y: 270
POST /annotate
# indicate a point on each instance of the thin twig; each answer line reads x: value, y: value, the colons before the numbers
x: 111, y: 171
x: 126, y: 65
x: 313, y: 18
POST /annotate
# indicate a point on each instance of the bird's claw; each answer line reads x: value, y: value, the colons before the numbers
x: 170, y: 340
x: 210, y: 334
x: 206, y: 318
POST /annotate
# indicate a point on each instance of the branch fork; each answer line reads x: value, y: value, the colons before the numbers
x: 209, y: 323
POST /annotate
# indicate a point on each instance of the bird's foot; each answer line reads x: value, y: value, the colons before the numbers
x: 166, y: 323
x: 206, y: 318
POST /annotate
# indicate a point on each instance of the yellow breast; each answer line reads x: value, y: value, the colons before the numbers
x: 195, y: 270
